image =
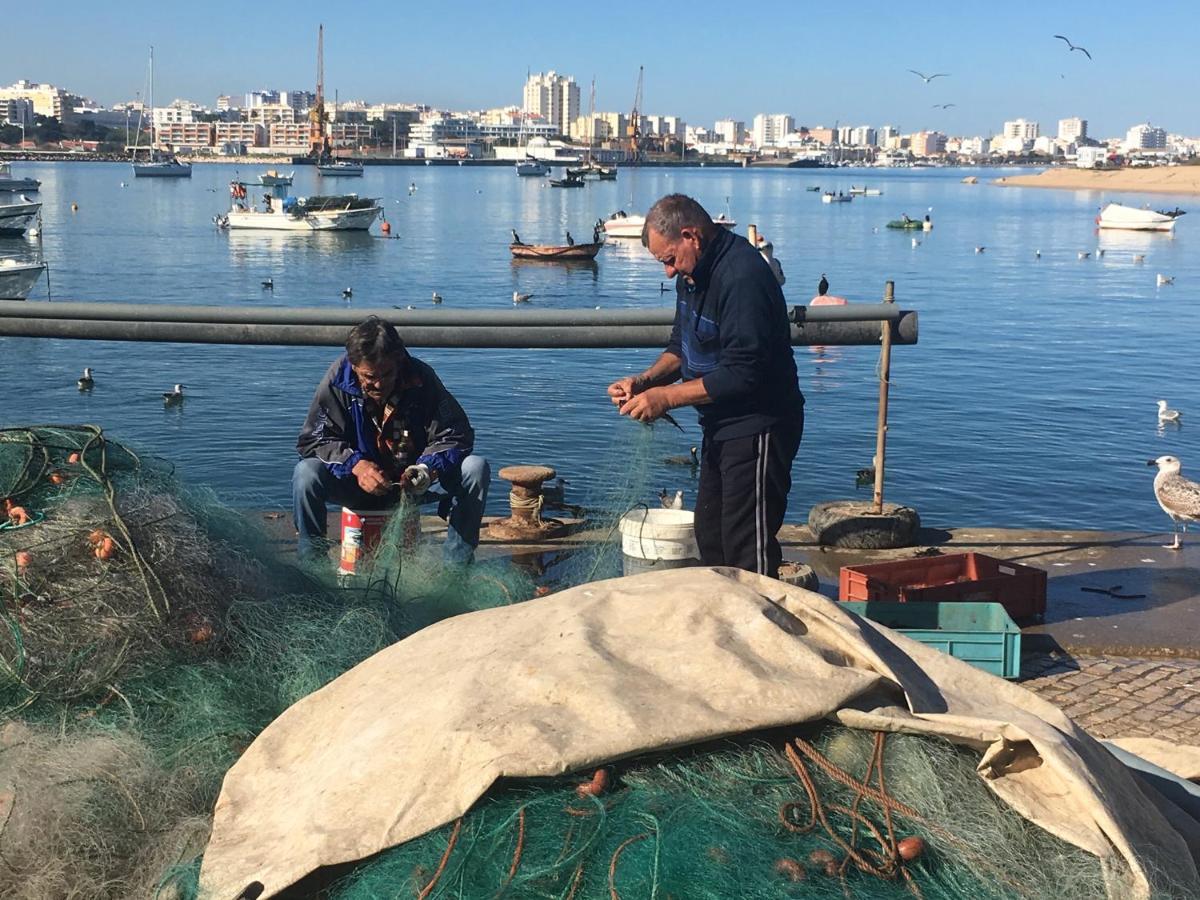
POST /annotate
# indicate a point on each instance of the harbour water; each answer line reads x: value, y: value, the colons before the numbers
x: 1029, y: 401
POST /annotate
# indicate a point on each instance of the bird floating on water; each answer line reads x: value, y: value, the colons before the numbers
x: 1166, y: 414
x: 518, y: 297
x: 670, y: 502
x: 1099, y: 252
x: 916, y: 243
x: 1071, y: 46
x: 823, y: 286
x: 1178, y: 497
x: 929, y: 78
x: 436, y: 298
x: 347, y: 293
x: 692, y: 459
x: 86, y: 382
x: 1037, y: 254
x: 1162, y: 279
x: 980, y: 249
x: 1139, y: 257
x: 174, y: 396
x: 269, y: 284
x: 1084, y: 254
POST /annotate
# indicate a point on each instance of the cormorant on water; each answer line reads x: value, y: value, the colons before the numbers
x: 570, y: 240
x: 823, y: 286
x: 516, y: 237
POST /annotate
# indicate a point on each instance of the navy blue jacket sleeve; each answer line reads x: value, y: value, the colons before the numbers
x: 748, y: 310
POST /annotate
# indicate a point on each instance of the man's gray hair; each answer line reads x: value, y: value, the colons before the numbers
x: 673, y: 213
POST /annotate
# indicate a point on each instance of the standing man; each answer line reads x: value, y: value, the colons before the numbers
x: 730, y: 356
x: 381, y: 422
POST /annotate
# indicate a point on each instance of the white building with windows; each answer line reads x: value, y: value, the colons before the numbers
x: 1146, y: 137
x: 1022, y: 129
x: 770, y: 129
x: 1073, y: 130
x: 863, y: 136
x: 554, y: 97
x: 730, y: 131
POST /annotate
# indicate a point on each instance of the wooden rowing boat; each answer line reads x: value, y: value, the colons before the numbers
x: 550, y: 253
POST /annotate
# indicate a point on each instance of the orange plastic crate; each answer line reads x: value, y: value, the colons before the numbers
x: 964, y: 577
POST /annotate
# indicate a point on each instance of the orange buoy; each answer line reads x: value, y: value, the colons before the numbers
x: 73, y: 458
x: 386, y: 227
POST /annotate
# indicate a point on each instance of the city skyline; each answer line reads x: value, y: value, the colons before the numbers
x: 729, y: 66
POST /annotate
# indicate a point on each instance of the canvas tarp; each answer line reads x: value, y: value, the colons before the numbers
x: 409, y: 739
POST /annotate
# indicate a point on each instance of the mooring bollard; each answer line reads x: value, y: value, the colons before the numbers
x: 525, y: 501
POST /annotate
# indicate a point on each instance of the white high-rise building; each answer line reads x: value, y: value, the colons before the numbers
x: 886, y: 133
x: 730, y: 131
x: 770, y: 129
x: 1146, y: 137
x: 554, y: 97
x: 1021, y: 129
x: 862, y: 136
x: 1073, y: 130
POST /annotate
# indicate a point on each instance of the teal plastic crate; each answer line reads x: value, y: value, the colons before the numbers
x: 981, y: 634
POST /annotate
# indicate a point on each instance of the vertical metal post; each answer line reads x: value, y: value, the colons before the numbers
x: 885, y: 371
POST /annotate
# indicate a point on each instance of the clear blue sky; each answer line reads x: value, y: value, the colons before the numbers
x: 704, y: 60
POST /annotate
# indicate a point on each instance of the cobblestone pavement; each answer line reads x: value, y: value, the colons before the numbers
x: 1117, y: 696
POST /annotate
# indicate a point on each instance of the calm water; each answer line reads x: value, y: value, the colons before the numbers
x: 1028, y: 402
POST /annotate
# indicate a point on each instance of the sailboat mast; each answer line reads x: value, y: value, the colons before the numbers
x: 153, y: 130
x: 591, y: 121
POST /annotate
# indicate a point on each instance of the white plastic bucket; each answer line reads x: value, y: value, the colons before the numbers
x: 665, y: 535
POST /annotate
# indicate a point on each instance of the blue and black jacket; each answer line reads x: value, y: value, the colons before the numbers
x: 340, y: 431
x: 732, y: 330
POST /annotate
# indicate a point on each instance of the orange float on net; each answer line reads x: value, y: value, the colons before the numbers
x: 18, y: 515
x: 73, y: 458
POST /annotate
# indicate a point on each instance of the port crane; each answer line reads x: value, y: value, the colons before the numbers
x: 318, y: 141
x: 633, y: 130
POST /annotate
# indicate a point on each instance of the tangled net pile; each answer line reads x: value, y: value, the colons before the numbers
x: 150, y: 633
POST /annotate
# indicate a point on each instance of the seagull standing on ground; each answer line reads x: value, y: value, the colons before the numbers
x: 518, y: 297
x: 929, y: 78
x: 1166, y: 414
x: 174, y: 396
x: 86, y: 382
x: 1071, y: 46
x: 1178, y: 497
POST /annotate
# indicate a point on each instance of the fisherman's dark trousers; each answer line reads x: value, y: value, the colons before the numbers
x: 744, y: 485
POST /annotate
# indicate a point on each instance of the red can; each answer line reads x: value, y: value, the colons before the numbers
x: 361, y: 532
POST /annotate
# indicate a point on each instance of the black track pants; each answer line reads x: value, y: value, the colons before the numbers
x: 744, y: 485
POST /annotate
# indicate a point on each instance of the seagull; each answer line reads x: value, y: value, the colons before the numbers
x: 823, y: 286
x: 670, y: 502
x: 1162, y: 279
x: 516, y: 237
x: 1099, y: 253
x: 1071, y: 46
x: 1139, y: 257
x: 174, y: 396
x: 518, y: 297
x: 269, y: 284
x: 980, y: 249
x: 86, y: 382
x: 1083, y: 254
x: 691, y: 460
x: 916, y: 243
x: 347, y: 293
x: 436, y: 298
x: 943, y: 105
x: 1178, y: 497
x: 929, y: 78
x: 1037, y: 254
x: 1165, y: 413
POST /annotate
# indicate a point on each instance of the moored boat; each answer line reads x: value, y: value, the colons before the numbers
x: 341, y: 167
x: 532, y: 167
x: 159, y: 163
x: 16, y: 217
x: 10, y: 182
x: 551, y: 252
x: 18, y: 276
x: 906, y: 223
x: 1131, y: 219
x: 569, y: 180
x: 864, y: 191
x: 831, y: 197
x: 346, y: 212
x: 271, y: 178
x: 622, y: 225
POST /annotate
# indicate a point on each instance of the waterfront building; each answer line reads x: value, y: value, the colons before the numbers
x: 554, y: 97
x: 247, y: 134
x: 1073, y: 130
x: 225, y: 103
x: 770, y: 129
x: 16, y: 111
x: 730, y: 131
x: 822, y: 135
x: 886, y: 133
x: 47, y: 100
x: 273, y: 114
x: 927, y: 143
x: 185, y: 134
x: 1021, y: 129
x: 178, y: 113
x: 350, y: 134
x: 255, y: 99
x: 975, y: 146
x: 1146, y: 137
x: 863, y: 136
x: 288, y: 137
x: 1046, y: 145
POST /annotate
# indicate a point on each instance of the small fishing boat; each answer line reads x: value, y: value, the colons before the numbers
x: 622, y: 225
x: 16, y: 217
x: 341, y: 167
x: 531, y: 166
x: 865, y: 191
x: 831, y: 197
x: 18, y: 276
x: 10, y: 182
x: 569, y: 180
x: 1130, y: 219
x: 552, y: 253
x: 279, y: 212
x: 907, y: 224
x: 271, y: 178
x: 814, y: 188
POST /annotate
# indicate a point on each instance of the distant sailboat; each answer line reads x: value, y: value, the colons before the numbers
x: 159, y: 164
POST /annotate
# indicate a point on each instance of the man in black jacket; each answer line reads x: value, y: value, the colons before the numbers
x: 730, y: 356
x: 382, y: 422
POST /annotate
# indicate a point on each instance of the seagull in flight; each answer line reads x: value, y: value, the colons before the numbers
x: 1071, y: 46
x: 944, y: 105
x: 929, y: 78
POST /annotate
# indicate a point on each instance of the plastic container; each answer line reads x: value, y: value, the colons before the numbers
x: 981, y: 634
x: 965, y: 577
x: 658, y: 539
x: 361, y: 532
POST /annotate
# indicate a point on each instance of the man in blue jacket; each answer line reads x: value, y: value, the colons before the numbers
x: 381, y: 422
x: 730, y: 356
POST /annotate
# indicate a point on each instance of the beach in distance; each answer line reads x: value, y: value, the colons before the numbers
x: 1156, y: 179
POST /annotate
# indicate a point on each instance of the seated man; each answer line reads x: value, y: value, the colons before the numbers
x: 381, y: 422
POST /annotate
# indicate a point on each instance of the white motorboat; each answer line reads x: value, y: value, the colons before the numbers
x: 159, y: 163
x: 1129, y: 218
x: 865, y: 192
x: 623, y: 225
x: 18, y: 276
x: 271, y: 178
x: 830, y: 197
x: 341, y: 167
x: 347, y: 212
x: 531, y: 166
x: 16, y: 217
x: 10, y: 182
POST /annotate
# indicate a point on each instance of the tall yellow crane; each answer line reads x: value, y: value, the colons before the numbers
x: 318, y: 142
x: 633, y: 130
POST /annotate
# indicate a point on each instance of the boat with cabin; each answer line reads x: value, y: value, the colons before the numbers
x: 1129, y: 218
x: 622, y: 225
x: 18, y: 276
x: 865, y: 192
x: 10, y: 182
x: 839, y: 197
x: 271, y: 178
x: 279, y: 212
x: 16, y: 217
x: 531, y: 166
x: 341, y: 167
x: 570, y: 179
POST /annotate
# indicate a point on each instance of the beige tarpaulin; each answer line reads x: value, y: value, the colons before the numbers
x: 1178, y: 759
x: 409, y: 739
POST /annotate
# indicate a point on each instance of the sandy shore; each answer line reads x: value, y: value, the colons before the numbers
x: 1158, y: 180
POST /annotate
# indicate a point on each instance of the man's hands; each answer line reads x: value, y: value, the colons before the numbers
x: 416, y: 479
x: 646, y: 406
x: 624, y: 390
x: 371, y: 478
